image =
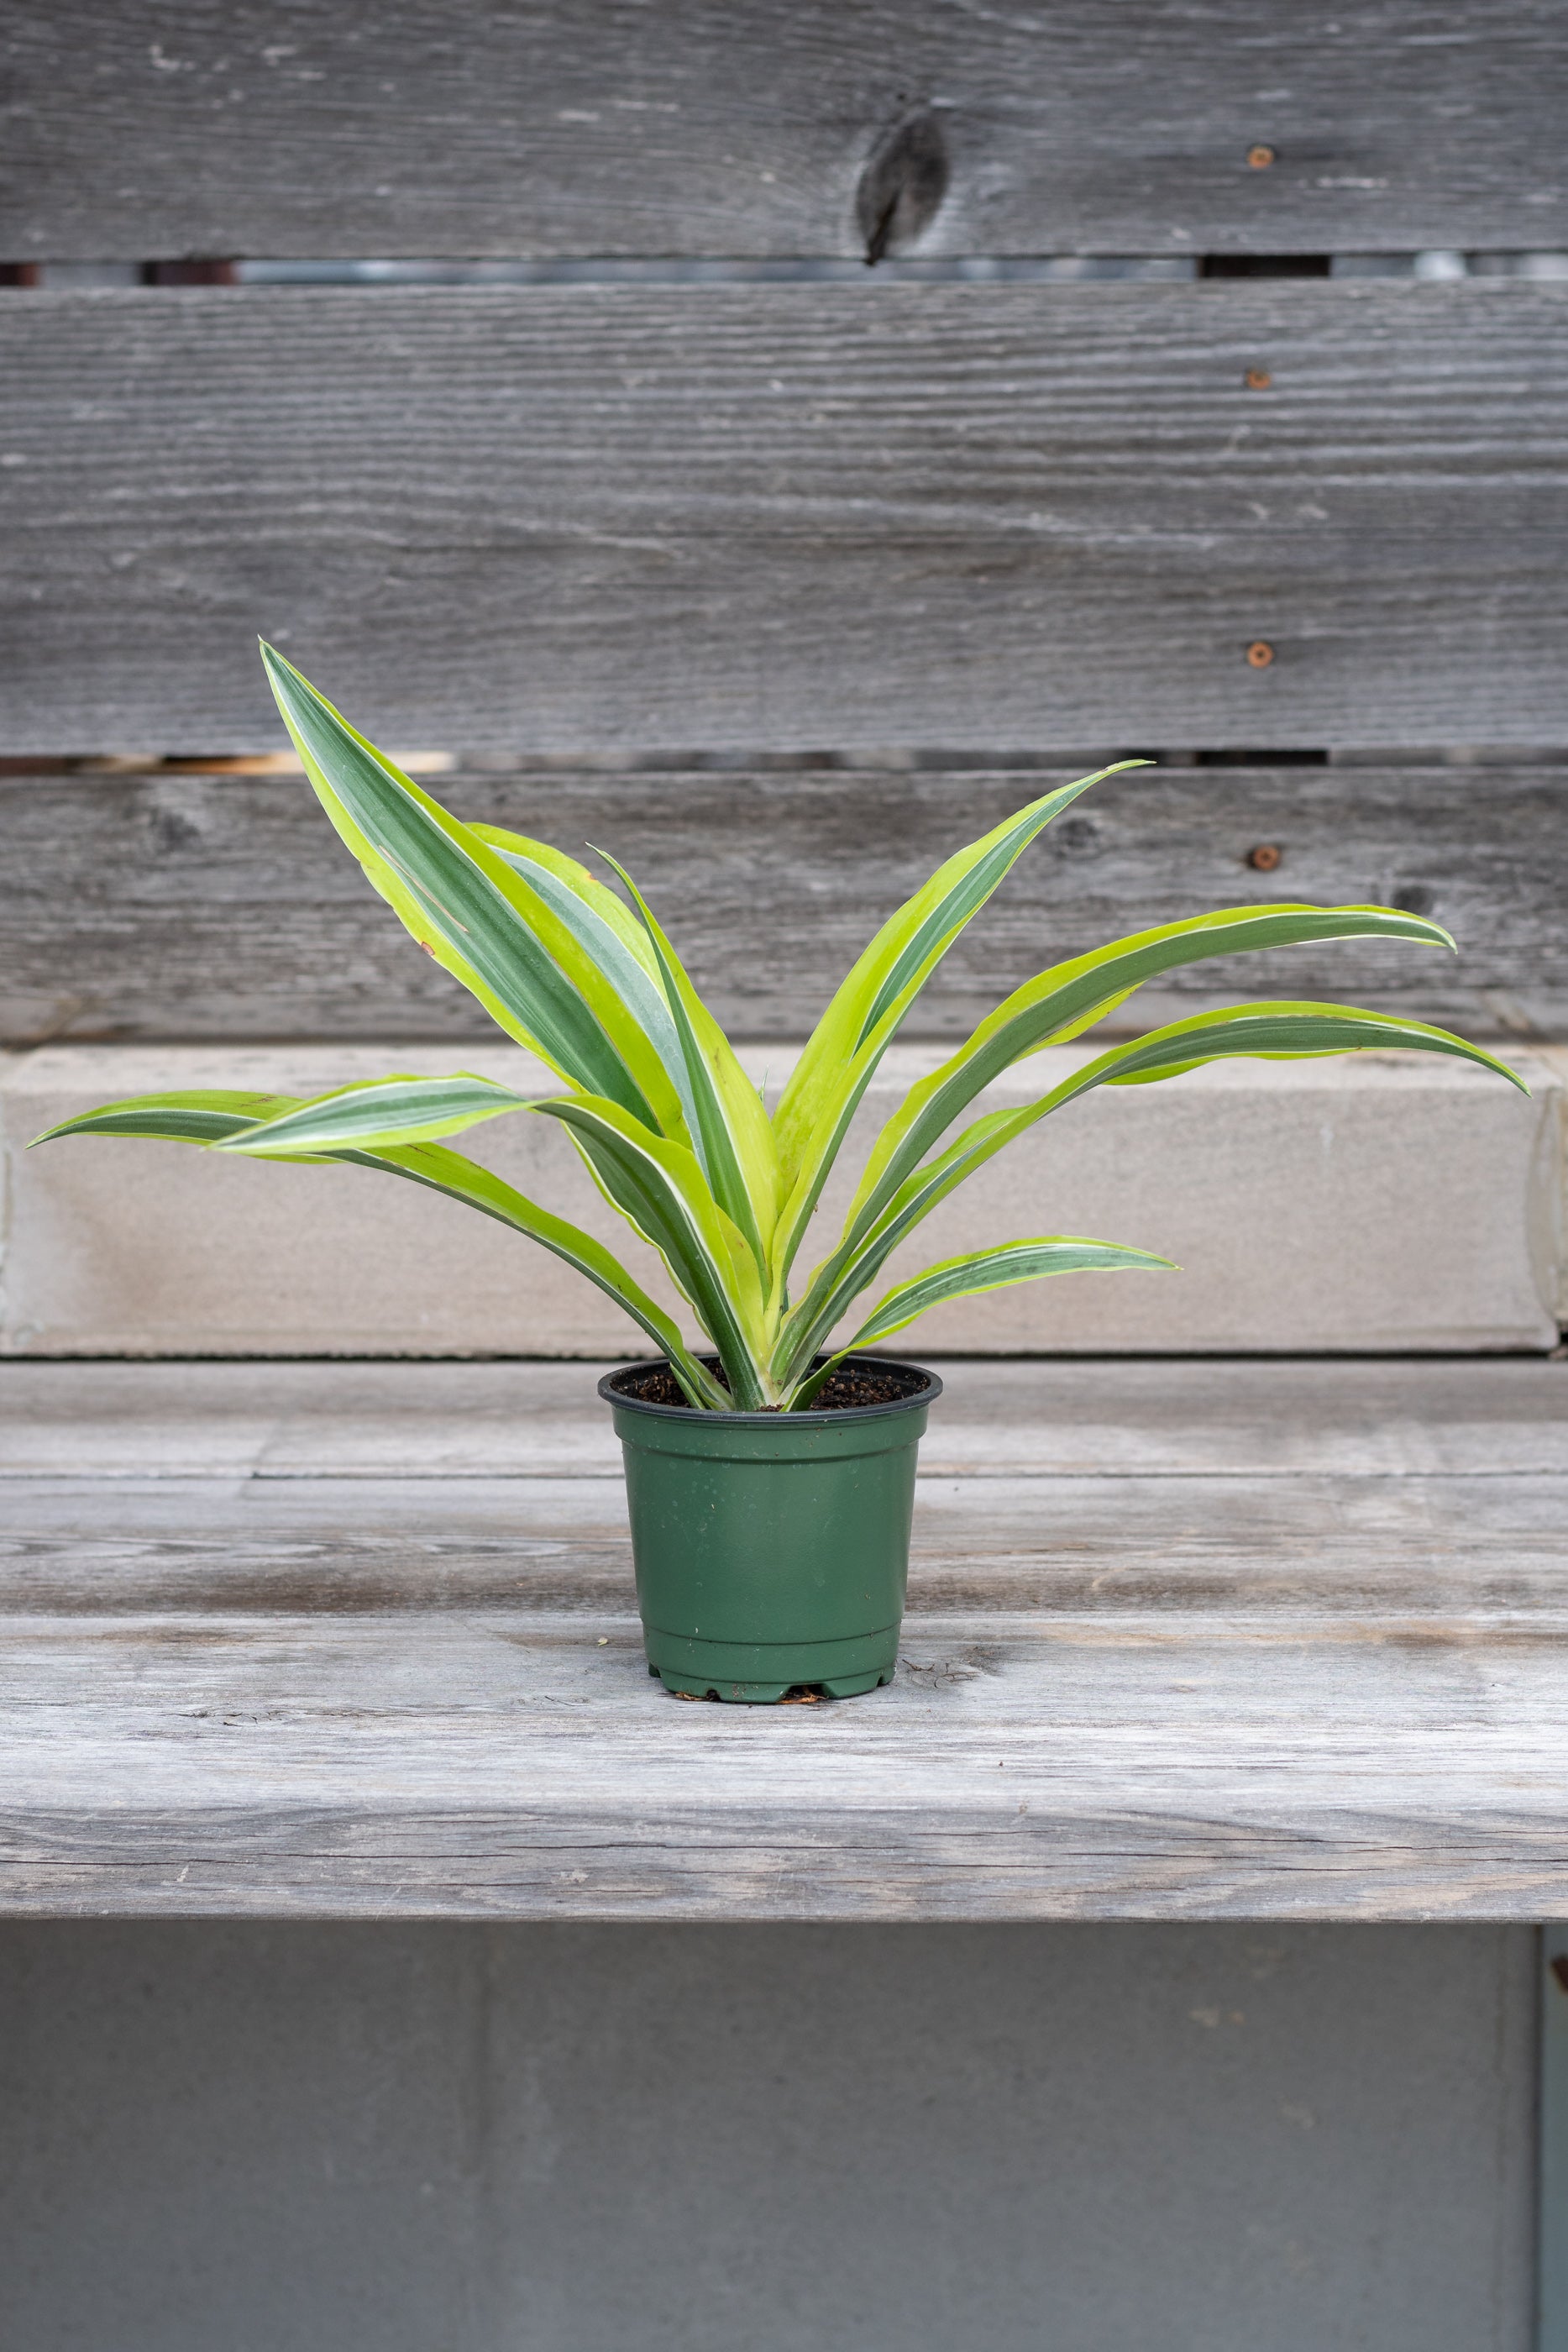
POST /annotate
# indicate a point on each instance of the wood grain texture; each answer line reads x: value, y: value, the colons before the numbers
x: 185, y: 128
x: 1210, y: 1417
x: 177, y: 906
x: 752, y: 517
x: 1333, y: 1690
x: 1399, y: 1545
x: 483, y: 1768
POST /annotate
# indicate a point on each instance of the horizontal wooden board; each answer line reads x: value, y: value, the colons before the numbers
x: 488, y: 1765
x: 172, y: 905
x: 794, y: 517
x: 1154, y: 1689
x: 1127, y: 1545
x: 1203, y: 1418
x: 734, y: 127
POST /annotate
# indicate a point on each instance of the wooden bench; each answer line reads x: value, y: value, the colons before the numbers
x: 1187, y: 1640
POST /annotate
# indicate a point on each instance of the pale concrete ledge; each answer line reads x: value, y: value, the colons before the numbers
x: 1282, y: 1640
x: 1395, y: 1203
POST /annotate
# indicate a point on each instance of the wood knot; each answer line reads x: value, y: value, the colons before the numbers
x: 902, y: 184
x: 1075, y: 837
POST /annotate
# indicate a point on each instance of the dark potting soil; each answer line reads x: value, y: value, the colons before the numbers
x: 851, y: 1385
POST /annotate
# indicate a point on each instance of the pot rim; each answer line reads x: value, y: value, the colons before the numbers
x: 833, y: 1416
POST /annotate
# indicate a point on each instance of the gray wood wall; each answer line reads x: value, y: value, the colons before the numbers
x: 736, y: 127
x: 907, y: 534
x: 170, y: 903
x: 623, y: 518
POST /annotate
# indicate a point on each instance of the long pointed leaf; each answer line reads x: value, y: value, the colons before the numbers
x: 463, y: 1179
x: 205, y: 1117
x: 400, y: 1110
x: 1068, y: 998
x: 659, y: 1185
x: 614, y: 940
x: 189, y: 1115
x: 843, y: 1051
x: 996, y: 1269
x: 980, y: 1270
x: 1269, y: 1032
x: 479, y: 918
x: 731, y: 1132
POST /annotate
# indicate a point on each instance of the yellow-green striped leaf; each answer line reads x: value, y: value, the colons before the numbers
x: 462, y: 1180
x: 201, y: 1114
x: 374, y: 1112
x: 1063, y: 1002
x: 842, y: 1053
x: 731, y: 1132
x: 206, y: 1116
x: 479, y: 918
x: 1269, y: 1032
x: 660, y: 1187
x: 979, y: 1270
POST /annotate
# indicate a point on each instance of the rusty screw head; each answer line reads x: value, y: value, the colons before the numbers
x: 1259, y: 655
x: 1260, y: 157
x: 1257, y: 379
x: 1264, y: 858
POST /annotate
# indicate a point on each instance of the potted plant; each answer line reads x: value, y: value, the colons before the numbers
x: 769, y: 1475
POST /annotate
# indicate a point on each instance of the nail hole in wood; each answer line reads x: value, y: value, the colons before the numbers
x: 1260, y: 654
x: 902, y: 184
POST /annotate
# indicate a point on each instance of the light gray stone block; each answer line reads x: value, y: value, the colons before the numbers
x: 380, y: 2139
x: 1373, y: 1202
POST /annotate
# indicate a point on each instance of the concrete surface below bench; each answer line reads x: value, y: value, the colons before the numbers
x: 1186, y: 1639
x: 319, y: 2136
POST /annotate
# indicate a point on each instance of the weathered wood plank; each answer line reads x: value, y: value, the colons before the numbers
x: 1380, y: 1203
x: 1317, y: 1692
x: 753, y: 517
x: 492, y: 1765
x: 1408, y: 1547
x: 172, y: 904
x: 1208, y: 1418
x: 742, y: 129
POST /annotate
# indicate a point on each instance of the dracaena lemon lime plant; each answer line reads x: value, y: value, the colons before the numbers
x: 674, y: 1133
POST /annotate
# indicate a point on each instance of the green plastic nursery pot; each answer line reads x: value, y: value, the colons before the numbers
x: 771, y: 1549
